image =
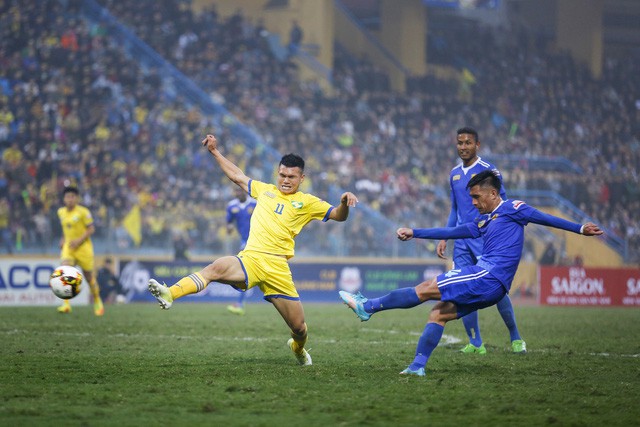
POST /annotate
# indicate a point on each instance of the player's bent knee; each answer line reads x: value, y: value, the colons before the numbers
x: 299, y: 329
x: 216, y: 270
x: 428, y: 290
x: 443, y: 312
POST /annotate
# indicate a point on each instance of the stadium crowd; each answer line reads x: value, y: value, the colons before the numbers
x: 75, y: 108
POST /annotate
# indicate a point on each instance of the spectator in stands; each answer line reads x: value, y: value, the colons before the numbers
x: 296, y: 34
x: 549, y: 255
x: 56, y: 101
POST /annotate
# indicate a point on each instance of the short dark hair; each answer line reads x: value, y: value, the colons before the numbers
x: 469, y: 130
x: 486, y: 178
x: 73, y: 190
x: 292, y: 161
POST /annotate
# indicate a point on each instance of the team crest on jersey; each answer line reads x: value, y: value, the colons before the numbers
x: 481, y: 223
x: 494, y: 216
x: 250, y: 210
x: 456, y: 178
x: 235, y: 210
x: 269, y: 194
x: 297, y: 205
x: 517, y: 204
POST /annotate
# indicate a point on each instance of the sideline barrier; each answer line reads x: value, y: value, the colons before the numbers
x: 25, y: 281
x: 315, y: 281
x: 579, y: 286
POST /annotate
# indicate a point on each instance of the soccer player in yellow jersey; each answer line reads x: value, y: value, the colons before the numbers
x: 281, y: 212
x: 77, y: 249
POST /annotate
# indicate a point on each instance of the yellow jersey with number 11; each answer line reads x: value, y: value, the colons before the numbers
x: 278, y: 218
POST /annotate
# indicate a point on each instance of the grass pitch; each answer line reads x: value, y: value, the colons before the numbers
x: 199, y: 365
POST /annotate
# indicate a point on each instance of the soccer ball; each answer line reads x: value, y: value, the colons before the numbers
x: 66, y: 281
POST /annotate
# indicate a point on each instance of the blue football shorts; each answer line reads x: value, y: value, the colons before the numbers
x: 470, y: 289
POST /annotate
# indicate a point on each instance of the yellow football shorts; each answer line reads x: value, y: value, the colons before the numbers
x: 271, y: 273
x: 82, y: 257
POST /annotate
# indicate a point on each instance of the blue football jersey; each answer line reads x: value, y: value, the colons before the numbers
x: 503, y: 234
x: 466, y: 251
x: 462, y: 209
x: 240, y: 214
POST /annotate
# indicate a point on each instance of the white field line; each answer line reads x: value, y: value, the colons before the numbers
x: 446, y: 339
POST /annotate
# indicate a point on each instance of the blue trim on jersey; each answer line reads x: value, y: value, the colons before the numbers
x: 268, y: 297
x: 249, y: 187
x: 461, y: 278
x: 246, y: 276
x: 326, y: 216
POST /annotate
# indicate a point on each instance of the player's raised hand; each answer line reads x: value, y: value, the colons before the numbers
x: 349, y: 199
x: 405, y: 234
x: 210, y: 142
x: 590, y: 229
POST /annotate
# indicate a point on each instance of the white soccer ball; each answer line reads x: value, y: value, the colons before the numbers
x: 66, y: 281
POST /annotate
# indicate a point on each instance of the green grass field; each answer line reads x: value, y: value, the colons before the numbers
x: 199, y: 365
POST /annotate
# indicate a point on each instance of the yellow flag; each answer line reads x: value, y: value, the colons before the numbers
x: 468, y: 77
x: 133, y: 224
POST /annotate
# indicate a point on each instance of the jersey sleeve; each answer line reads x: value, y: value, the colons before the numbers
x: 453, y: 217
x: 539, y: 217
x: 87, y: 218
x: 464, y: 231
x: 256, y: 188
x: 318, y: 208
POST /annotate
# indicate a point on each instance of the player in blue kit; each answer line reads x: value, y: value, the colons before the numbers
x: 467, y: 252
x: 462, y: 291
x: 239, y: 212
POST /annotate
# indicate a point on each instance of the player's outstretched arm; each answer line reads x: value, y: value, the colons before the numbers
x: 539, y: 217
x: 233, y: 172
x: 341, y: 212
x: 464, y: 231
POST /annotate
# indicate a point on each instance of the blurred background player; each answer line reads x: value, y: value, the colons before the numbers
x: 76, y: 246
x: 467, y: 252
x: 110, y: 287
x: 239, y: 211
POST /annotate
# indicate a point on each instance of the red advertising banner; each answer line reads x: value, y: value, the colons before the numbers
x: 590, y: 286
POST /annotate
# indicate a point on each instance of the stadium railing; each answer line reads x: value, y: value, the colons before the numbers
x: 175, y: 82
x: 540, y: 163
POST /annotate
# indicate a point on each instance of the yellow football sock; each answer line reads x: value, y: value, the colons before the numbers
x: 298, y: 342
x: 188, y: 285
x: 95, y: 289
x: 66, y: 303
